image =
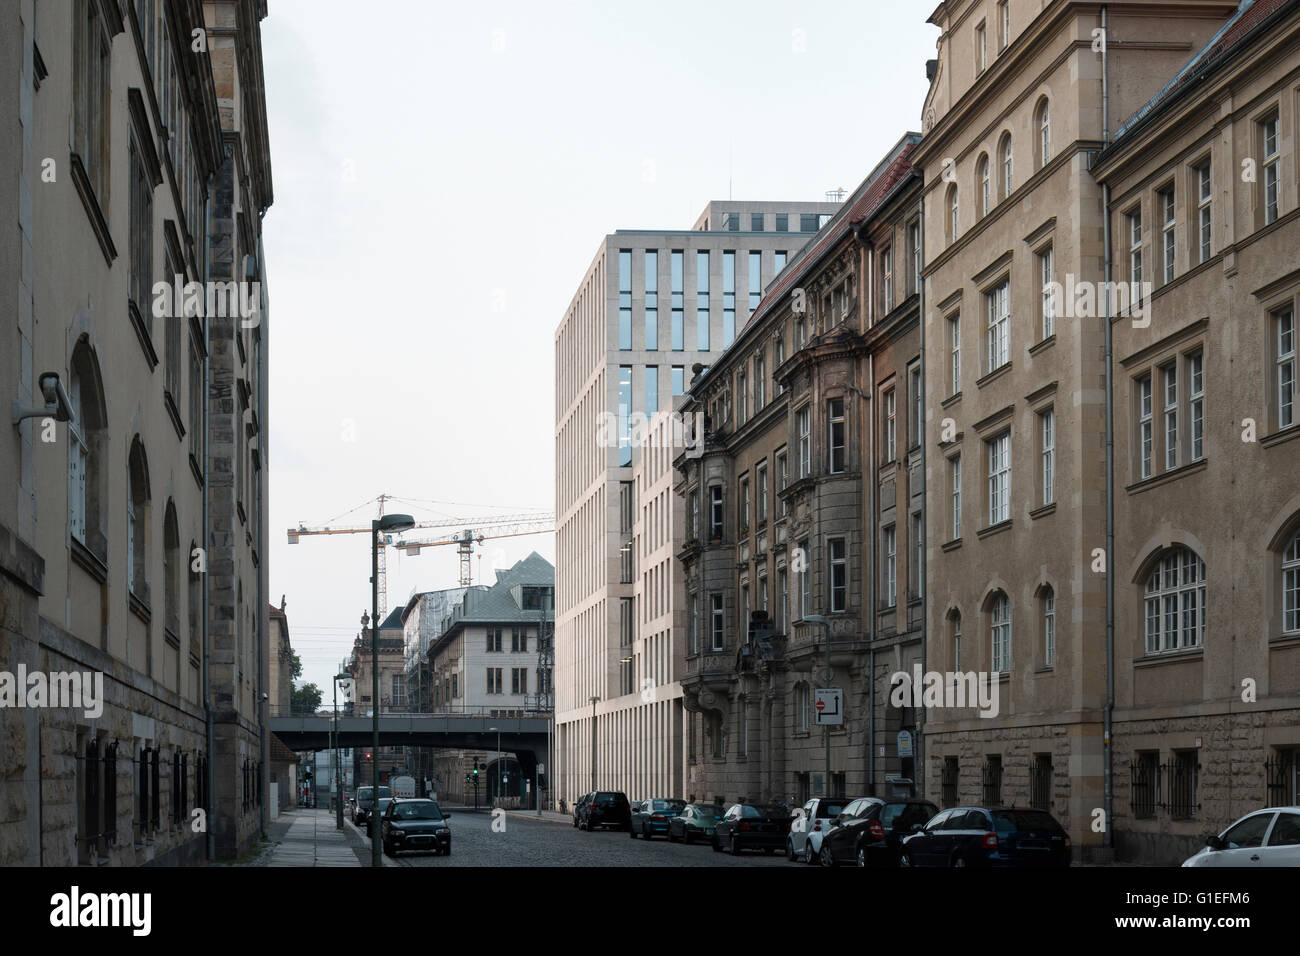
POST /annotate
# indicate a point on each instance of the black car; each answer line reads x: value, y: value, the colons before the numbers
x: 579, y: 806
x: 604, y: 808
x: 651, y: 816
x: 870, y: 832
x: 748, y: 827
x: 364, y: 800
x: 988, y: 836
x: 415, y: 826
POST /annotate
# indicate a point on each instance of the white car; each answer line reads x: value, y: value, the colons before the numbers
x: 1264, y: 838
x: 810, y: 823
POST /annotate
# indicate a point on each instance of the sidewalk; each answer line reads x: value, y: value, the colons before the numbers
x: 307, y: 837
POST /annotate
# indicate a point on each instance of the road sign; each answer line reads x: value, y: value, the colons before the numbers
x: 829, y: 704
x: 904, y: 743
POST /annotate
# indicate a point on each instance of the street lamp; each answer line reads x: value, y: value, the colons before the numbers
x: 394, y: 523
x: 338, y: 788
x: 498, y: 733
x: 593, y: 743
x: 826, y: 728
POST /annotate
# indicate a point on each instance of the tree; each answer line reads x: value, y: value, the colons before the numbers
x: 295, y: 669
x: 305, y: 699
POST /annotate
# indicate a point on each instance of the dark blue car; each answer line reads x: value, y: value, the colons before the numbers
x: 988, y: 836
x: 650, y: 817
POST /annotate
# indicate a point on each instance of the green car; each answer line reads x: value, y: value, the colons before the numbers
x: 696, y: 822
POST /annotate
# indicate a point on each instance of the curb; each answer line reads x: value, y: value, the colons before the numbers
x: 532, y: 815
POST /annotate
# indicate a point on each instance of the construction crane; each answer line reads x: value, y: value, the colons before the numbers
x: 476, y: 530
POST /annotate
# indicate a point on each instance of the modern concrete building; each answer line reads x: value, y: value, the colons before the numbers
x: 132, y: 553
x: 780, y: 515
x: 1019, y: 124
x: 651, y: 306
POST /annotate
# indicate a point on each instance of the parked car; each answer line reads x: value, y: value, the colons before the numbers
x: 579, y: 805
x: 415, y: 825
x: 362, y: 802
x: 695, y: 822
x: 651, y: 816
x: 870, y: 831
x: 987, y: 836
x: 605, y: 808
x: 809, y: 824
x: 1268, y: 837
x: 748, y: 827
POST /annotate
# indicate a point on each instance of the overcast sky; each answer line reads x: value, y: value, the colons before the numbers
x: 444, y: 174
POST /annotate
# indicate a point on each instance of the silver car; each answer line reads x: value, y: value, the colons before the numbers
x: 1263, y: 838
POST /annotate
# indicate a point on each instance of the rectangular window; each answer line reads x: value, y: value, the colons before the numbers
x: 761, y: 479
x: 782, y: 479
x: 717, y: 622
x: 744, y: 506
x: 1196, y: 403
x: 954, y: 480
x: 694, y: 631
x: 1004, y: 24
x: 651, y: 389
x: 1171, y: 416
x: 91, y: 98
x: 891, y: 426
x: 782, y: 222
x: 981, y: 49
x: 1048, y: 299
x: 1135, y: 245
x: 756, y: 222
x: 954, y: 347
x: 728, y: 298
x: 196, y: 399
x: 1049, y: 629
x: 918, y: 555
x: 1047, y: 429
x: 836, y: 436
x: 999, y: 452
x: 1145, y: 436
x: 808, y: 222
x: 1271, y: 181
x: 886, y: 281
x: 679, y: 380
x: 999, y: 329
x: 624, y: 415
x: 755, y: 280
x: 651, y: 300
x: 783, y: 588
x: 803, y: 428
x: 494, y: 680
x: 760, y: 382
x: 1286, y: 368
x: 742, y: 394
x: 702, y: 300
x: 519, y: 680
x: 915, y: 252
x: 1165, y: 203
x: 891, y: 566
x: 1204, y: 211
x: 805, y: 583
x: 837, y: 552
x: 914, y: 419
x: 779, y: 259
x: 678, y: 299
x: 715, y: 511
x: 625, y: 299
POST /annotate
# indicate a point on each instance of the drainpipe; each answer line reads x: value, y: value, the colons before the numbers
x: 207, y: 549
x: 1108, y: 839
x: 919, y: 761
x: 869, y: 470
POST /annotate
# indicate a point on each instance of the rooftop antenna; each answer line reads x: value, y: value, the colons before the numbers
x: 836, y: 195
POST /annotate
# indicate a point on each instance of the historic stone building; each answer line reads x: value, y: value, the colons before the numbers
x: 781, y: 509
x: 1202, y: 197
x: 1021, y: 111
x: 651, y: 305
x: 124, y: 145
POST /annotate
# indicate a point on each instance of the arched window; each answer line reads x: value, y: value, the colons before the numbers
x: 1007, y: 178
x: 1047, y: 604
x: 953, y: 227
x: 1291, y: 585
x: 171, y: 574
x: 86, y: 443
x: 137, y: 522
x: 1000, y: 631
x: 1044, y: 123
x: 1175, y: 602
x: 986, y: 186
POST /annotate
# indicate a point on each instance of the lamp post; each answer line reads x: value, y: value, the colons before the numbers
x: 593, y: 743
x: 826, y: 729
x: 385, y: 524
x: 338, y: 787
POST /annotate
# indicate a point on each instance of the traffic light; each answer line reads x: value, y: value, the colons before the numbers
x: 476, y: 773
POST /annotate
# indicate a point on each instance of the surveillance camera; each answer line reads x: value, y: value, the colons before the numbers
x: 265, y: 696
x: 56, y: 398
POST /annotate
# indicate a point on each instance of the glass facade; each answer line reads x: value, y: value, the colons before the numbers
x: 702, y: 300
x: 651, y: 300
